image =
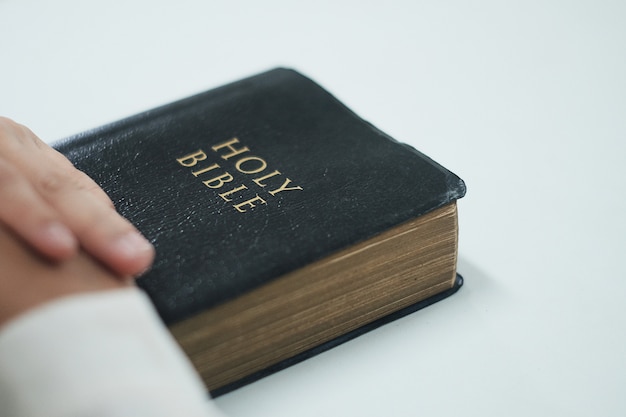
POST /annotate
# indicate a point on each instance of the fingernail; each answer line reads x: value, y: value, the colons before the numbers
x: 133, y: 244
x: 59, y: 235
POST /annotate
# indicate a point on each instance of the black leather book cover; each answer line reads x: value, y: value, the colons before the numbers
x: 252, y: 180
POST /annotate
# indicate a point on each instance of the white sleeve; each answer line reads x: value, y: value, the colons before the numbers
x: 104, y: 354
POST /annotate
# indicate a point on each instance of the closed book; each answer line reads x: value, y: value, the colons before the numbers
x: 283, y: 223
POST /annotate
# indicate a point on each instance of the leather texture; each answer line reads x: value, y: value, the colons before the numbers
x: 356, y: 182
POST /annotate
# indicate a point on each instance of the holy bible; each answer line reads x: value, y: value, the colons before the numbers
x: 283, y: 223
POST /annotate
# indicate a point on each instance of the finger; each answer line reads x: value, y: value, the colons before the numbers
x: 100, y: 229
x: 81, y: 204
x: 82, y: 180
x: 31, y: 217
x: 34, y: 157
x: 27, y: 280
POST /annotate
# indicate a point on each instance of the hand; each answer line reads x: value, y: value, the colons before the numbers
x: 27, y: 280
x: 56, y: 208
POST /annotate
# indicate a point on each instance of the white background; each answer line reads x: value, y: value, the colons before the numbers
x: 525, y: 100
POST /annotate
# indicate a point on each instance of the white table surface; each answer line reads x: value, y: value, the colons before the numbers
x: 525, y: 100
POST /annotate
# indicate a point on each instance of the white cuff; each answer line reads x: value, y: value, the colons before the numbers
x: 101, y: 354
